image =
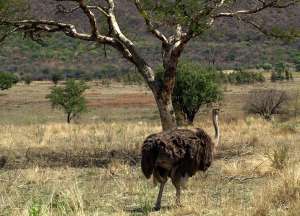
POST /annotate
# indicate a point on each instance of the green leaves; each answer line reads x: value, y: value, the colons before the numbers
x: 69, y: 98
x: 195, y: 86
x: 172, y: 12
x: 7, y: 80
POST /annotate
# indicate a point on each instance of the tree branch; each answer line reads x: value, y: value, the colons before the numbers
x: 149, y: 23
x: 264, y: 5
x: 62, y: 9
x: 86, y: 10
x: 91, y: 17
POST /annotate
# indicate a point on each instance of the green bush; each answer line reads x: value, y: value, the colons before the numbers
x: 195, y: 86
x: 69, y: 98
x: 281, y: 72
x: 243, y: 77
x: 7, y: 80
x: 266, y: 66
x: 55, y: 77
x: 27, y: 79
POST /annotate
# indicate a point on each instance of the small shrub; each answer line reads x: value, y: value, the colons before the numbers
x: 244, y: 77
x: 27, y: 79
x: 7, y: 80
x: 267, y: 66
x: 69, y: 98
x: 55, y: 77
x: 281, y: 72
x: 266, y: 103
x: 279, y: 156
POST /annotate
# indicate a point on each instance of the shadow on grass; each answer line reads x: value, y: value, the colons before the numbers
x: 83, y: 158
x: 79, y: 158
x: 145, y: 210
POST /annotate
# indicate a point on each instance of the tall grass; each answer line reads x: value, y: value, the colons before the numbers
x: 242, y: 181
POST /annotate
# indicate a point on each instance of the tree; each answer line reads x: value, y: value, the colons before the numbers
x: 267, y: 66
x: 27, y: 79
x: 7, y: 80
x: 55, y: 77
x: 266, y: 103
x: 69, y: 98
x: 173, y: 23
x: 195, y: 86
x: 281, y: 72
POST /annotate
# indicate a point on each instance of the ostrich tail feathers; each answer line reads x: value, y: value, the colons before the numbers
x: 149, y: 156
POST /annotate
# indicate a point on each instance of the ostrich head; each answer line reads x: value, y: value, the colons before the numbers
x: 215, y: 118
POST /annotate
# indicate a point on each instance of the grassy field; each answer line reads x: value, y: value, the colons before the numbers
x: 91, y: 167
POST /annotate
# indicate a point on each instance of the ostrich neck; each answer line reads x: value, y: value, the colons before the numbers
x: 217, y: 129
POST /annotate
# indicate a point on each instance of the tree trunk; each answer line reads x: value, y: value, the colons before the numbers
x: 69, y: 118
x: 166, y: 112
x: 163, y: 93
x: 190, y: 118
x: 162, y: 97
x: 180, y: 116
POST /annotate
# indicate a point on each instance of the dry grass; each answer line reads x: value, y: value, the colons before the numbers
x: 238, y: 183
x: 92, y: 167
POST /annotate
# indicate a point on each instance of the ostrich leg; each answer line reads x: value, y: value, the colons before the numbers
x: 158, y: 201
x: 178, y: 192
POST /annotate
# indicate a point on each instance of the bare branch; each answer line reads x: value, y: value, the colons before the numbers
x: 100, y: 9
x: 285, y: 35
x: 62, y: 9
x: 91, y: 17
x: 149, y: 23
x: 264, y: 5
x: 47, y: 26
x: 86, y: 10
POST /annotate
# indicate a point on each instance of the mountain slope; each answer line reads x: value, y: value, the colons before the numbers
x: 229, y: 44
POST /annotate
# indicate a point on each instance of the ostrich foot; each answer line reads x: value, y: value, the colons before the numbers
x: 157, y: 207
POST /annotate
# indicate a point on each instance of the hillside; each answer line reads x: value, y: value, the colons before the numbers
x: 230, y: 44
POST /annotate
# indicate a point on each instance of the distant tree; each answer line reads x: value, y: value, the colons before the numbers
x: 281, y: 72
x: 69, y: 98
x: 267, y: 66
x: 195, y: 87
x: 240, y: 76
x: 7, y: 80
x: 27, y: 79
x: 173, y: 23
x: 55, y: 77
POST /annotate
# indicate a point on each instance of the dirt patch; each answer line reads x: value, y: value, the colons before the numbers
x: 124, y: 100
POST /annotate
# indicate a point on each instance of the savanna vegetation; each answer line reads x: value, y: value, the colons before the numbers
x: 91, y: 167
x: 102, y: 57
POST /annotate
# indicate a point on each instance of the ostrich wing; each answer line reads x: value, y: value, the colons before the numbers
x: 196, y: 150
x: 186, y: 149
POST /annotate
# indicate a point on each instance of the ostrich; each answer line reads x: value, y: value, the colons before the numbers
x: 178, y: 154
